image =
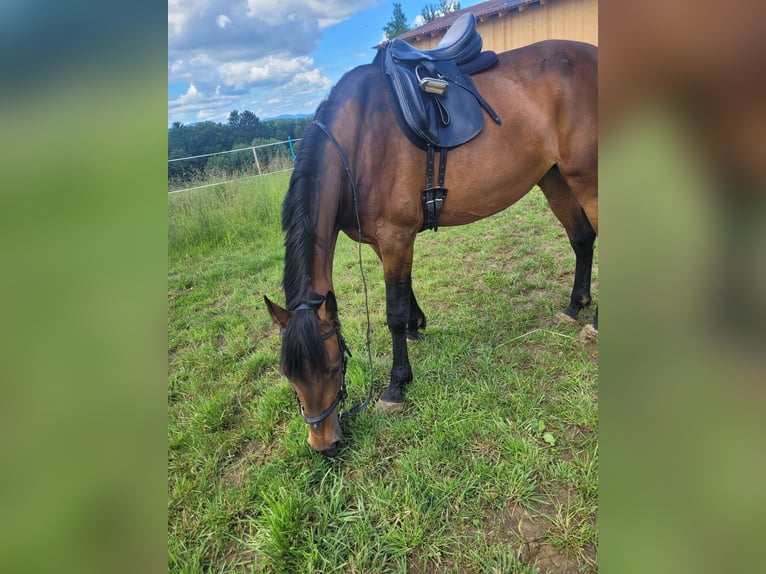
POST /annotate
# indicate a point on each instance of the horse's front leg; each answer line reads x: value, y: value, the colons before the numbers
x: 397, y: 266
x: 417, y: 319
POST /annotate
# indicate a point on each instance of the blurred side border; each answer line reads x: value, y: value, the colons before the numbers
x: 682, y: 88
x: 83, y: 214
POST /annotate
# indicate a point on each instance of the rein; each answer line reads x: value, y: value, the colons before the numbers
x: 341, y: 397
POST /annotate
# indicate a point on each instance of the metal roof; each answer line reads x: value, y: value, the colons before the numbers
x: 483, y: 10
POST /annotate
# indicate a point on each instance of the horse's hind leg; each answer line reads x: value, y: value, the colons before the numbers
x: 581, y: 234
x: 417, y: 320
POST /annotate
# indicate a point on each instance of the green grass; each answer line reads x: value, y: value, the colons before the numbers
x: 461, y: 481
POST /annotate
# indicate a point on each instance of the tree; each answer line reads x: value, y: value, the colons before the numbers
x: 249, y: 127
x: 432, y: 11
x: 234, y: 120
x: 243, y: 129
x: 398, y: 23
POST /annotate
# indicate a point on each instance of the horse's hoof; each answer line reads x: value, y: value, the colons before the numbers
x: 413, y: 336
x: 562, y: 317
x: 388, y: 408
x: 589, y: 334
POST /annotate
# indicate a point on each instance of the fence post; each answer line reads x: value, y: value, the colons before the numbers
x: 255, y: 155
x: 292, y: 151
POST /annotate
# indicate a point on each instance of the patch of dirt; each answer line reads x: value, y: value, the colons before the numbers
x: 528, y: 531
x: 548, y: 559
x: 252, y: 455
x: 240, y: 558
x: 575, y: 432
x: 171, y: 357
x: 530, y: 298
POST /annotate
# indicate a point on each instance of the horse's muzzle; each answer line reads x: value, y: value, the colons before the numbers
x: 333, y: 449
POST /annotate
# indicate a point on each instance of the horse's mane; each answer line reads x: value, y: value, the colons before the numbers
x: 299, y: 220
x: 299, y: 208
x: 302, y: 345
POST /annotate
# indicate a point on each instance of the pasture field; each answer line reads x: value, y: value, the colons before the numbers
x: 491, y: 466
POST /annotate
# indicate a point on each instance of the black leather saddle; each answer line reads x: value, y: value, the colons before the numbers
x: 434, y: 99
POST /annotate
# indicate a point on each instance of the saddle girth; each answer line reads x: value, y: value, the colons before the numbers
x: 432, y: 197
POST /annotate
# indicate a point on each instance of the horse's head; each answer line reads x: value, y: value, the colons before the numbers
x: 314, y: 361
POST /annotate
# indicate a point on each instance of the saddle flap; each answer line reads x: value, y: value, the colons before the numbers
x: 433, y: 97
x: 447, y: 119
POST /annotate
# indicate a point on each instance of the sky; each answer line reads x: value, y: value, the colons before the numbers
x: 272, y: 57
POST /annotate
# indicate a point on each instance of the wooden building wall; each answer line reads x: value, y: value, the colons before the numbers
x: 552, y: 19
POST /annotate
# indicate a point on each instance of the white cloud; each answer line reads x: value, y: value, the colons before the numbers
x: 226, y: 49
x: 194, y: 105
x: 325, y: 12
x: 180, y: 13
x: 191, y: 95
x: 270, y: 70
x: 308, y: 82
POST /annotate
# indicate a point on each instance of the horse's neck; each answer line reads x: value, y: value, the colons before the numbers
x: 324, y: 183
x: 326, y: 235
x: 321, y: 266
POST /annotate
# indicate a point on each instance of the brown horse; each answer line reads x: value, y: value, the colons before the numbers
x: 546, y: 96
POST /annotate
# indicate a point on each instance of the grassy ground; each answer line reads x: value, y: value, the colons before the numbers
x: 492, y: 465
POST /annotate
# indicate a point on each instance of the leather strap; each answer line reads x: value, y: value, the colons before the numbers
x: 432, y: 197
x: 442, y: 166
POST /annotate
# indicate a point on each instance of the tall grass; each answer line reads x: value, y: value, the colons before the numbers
x: 492, y: 465
x: 225, y: 214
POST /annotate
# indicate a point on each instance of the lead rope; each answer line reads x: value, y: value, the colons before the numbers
x: 360, y: 406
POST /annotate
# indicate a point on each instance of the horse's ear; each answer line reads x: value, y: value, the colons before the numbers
x: 329, y: 307
x: 278, y: 314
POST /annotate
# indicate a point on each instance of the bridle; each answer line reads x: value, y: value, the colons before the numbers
x: 340, y: 398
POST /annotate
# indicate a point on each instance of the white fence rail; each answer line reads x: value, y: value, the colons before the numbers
x: 261, y: 169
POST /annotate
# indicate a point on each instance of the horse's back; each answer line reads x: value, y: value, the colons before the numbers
x: 546, y: 96
x: 564, y: 62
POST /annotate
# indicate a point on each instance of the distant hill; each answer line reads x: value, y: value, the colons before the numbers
x: 287, y: 117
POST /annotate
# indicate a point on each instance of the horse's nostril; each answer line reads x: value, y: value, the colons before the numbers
x: 333, y: 450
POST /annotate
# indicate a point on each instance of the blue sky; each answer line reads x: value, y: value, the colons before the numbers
x: 272, y: 57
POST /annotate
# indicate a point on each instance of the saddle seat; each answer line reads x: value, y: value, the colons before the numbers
x: 433, y: 97
x: 461, y: 43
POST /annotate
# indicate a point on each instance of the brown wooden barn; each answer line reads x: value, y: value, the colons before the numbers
x: 508, y: 24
